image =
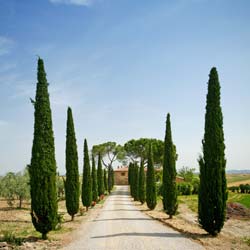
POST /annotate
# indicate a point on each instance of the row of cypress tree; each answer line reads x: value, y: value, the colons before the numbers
x: 213, y: 187
x: 42, y: 169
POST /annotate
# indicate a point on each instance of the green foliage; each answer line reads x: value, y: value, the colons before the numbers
x: 111, y: 150
x: 151, y: 185
x: 142, y: 184
x: 15, y: 186
x: 185, y: 188
x: 110, y: 178
x: 131, y: 178
x: 137, y: 150
x: 196, y: 184
x: 86, y: 179
x: 212, y: 191
x: 169, y: 190
x: 244, y: 188
x: 136, y: 182
x: 72, y: 185
x: 60, y: 186
x: 105, y: 180
x: 100, y: 177
x: 187, y: 173
x: 94, y: 181
x: 42, y: 169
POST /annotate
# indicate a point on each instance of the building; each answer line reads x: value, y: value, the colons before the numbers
x: 121, y: 176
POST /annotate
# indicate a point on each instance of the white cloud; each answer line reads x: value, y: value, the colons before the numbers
x: 6, y: 45
x: 73, y: 2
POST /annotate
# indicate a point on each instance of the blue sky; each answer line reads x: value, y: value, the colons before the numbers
x: 121, y: 66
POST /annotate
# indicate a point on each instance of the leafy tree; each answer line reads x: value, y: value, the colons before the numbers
x: 131, y: 178
x: 137, y: 150
x: 100, y: 177
x: 60, y: 186
x: 105, y: 180
x: 142, y: 187
x: 212, y: 191
x: 86, y: 179
x: 94, y: 181
x: 169, y: 173
x: 15, y: 186
x: 72, y: 172
x: 42, y: 169
x: 187, y: 173
x: 109, y: 152
x: 151, y: 185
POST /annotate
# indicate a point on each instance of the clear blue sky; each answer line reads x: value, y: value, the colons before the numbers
x: 121, y: 66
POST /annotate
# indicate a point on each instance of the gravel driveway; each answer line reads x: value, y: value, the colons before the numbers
x: 121, y: 226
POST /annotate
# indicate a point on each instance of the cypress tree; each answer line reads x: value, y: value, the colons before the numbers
x: 100, y: 177
x: 109, y: 179
x: 86, y: 179
x: 151, y: 185
x: 136, y: 182
x: 142, y: 187
x: 212, y: 191
x: 169, y: 173
x: 94, y: 181
x: 42, y: 169
x: 105, y: 180
x: 131, y: 178
x: 72, y: 191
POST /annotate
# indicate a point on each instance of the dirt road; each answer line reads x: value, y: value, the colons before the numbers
x: 121, y: 226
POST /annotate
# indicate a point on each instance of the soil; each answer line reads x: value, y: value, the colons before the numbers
x: 233, y: 236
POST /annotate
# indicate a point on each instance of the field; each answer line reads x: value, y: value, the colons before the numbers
x: 16, y: 226
x: 237, y: 179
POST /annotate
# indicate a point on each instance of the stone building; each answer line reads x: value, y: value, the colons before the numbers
x: 121, y: 176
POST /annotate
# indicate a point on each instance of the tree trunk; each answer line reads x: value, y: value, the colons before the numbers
x: 44, y: 236
x: 72, y: 217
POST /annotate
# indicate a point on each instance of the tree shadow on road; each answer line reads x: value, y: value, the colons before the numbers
x: 175, y: 235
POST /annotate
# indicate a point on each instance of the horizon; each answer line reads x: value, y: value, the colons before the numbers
x: 122, y: 66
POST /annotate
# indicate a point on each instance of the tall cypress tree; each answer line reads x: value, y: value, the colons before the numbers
x: 86, y: 179
x: 131, y: 178
x: 105, y: 180
x: 142, y: 187
x: 109, y: 179
x: 94, y: 181
x: 169, y: 173
x: 212, y: 191
x: 72, y: 191
x: 151, y: 185
x: 42, y: 169
x: 100, y: 177
x: 136, y: 182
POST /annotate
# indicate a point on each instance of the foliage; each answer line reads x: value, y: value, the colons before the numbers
x: 109, y: 152
x: 142, y: 184
x: 136, y: 150
x: 60, y: 186
x: 86, y: 179
x: 110, y: 178
x: 212, y: 191
x: 185, y: 188
x: 94, y: 181
x: 105, y: 180
x: 72, y: 184
x: 169, y: 191
x: 150, y: 182
x: 100, y: 177
x: 15, y: 186
x: 42, y: 169
x: 136, y: 182
x: 187, y: 173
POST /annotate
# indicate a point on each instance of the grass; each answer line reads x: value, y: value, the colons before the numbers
x: 192, y: 200
x: 243, y: 199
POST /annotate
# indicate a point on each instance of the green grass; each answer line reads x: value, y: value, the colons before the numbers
x: 231, y: 178
x: 243, y: 199
x: 192, y: 200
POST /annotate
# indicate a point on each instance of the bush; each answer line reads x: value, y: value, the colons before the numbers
x: 196, y: 184
x: 184, y: 188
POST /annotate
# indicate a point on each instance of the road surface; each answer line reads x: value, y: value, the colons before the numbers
x: 121, y: 226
